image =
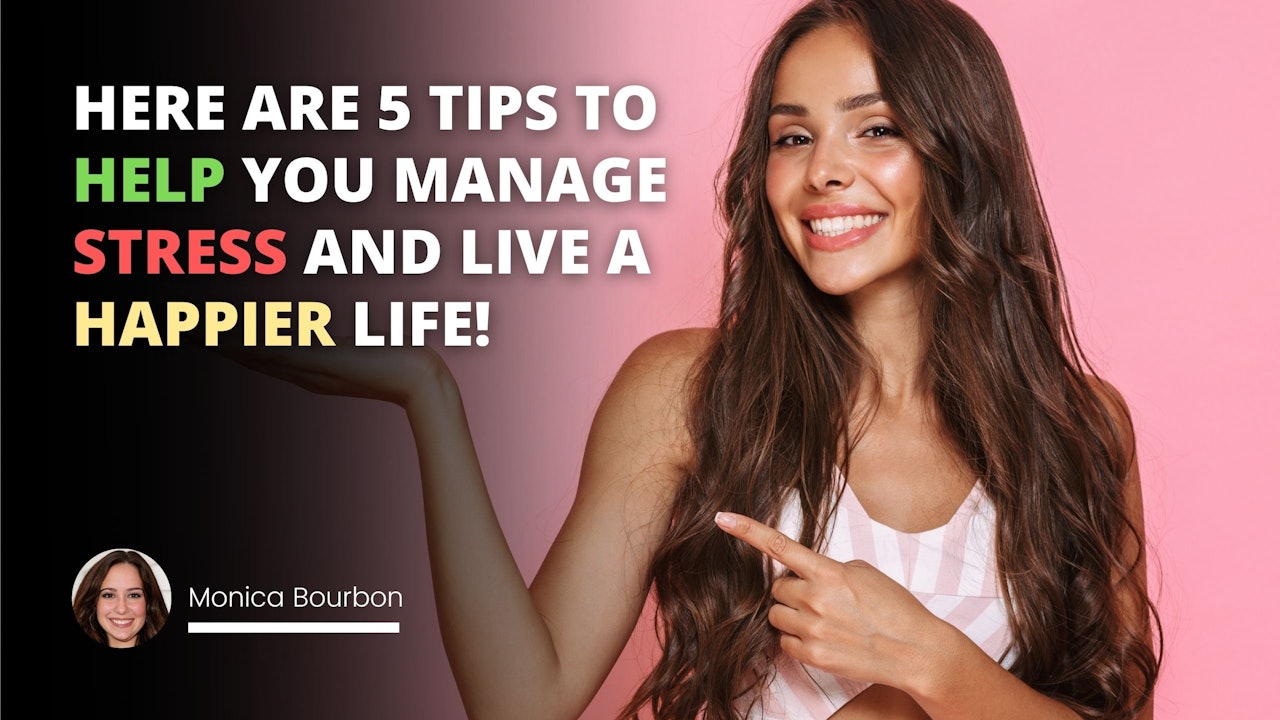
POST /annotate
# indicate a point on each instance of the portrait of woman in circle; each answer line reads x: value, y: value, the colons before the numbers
x: 121, y: 599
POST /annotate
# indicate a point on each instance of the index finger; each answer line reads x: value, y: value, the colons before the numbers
x: 796, y: 557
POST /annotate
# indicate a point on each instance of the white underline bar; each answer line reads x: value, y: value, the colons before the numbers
x: 293, y: 628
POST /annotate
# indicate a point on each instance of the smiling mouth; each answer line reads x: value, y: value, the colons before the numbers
x: 121, y: 623
x: 833, y: 226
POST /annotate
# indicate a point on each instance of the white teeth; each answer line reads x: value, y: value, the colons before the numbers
x: 832, y: 226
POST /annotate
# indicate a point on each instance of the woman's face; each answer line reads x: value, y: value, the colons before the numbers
x: 843, y: 183
x: 122, y: 606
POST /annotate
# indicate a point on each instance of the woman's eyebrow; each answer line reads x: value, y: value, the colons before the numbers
x: 859, y: 101
x: 847, y: 104
x: 789, y: 109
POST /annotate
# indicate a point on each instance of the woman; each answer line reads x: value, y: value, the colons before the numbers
x: 893, y: 352
x: 119, y: 603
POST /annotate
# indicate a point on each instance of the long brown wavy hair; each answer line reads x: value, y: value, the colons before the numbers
x: 770, y: 406
x: 85, y: 604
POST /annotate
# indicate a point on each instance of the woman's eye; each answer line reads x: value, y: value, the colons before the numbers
x: 792, y: 141
x: 108, y: 595
x: 880, y: 131
x: 135, y: 596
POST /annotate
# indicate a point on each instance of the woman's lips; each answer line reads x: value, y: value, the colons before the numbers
x: 828, y: 232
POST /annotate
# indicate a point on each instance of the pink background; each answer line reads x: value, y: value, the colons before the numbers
x: 1154, y: 128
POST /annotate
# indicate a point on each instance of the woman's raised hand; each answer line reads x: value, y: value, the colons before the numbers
x: 393, y: 374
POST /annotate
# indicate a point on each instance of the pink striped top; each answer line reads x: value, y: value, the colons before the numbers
x: 951, y: 569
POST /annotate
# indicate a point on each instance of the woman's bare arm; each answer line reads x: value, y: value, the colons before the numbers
x: 545, y: 651
x: 881, y: 702
x: 542, y: 650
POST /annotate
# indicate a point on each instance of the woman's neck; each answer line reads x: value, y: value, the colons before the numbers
x: 889, y: 322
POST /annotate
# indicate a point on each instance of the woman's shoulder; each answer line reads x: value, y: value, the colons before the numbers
x: 659, y: 371
x: 681, y: 348
x: 1107, y: 393
x: 662, y: 367
x: 645, y: 411
x: 1120, y: 421
x: 1114, y: 403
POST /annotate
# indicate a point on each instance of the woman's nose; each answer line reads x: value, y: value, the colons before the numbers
x: 830, y: 167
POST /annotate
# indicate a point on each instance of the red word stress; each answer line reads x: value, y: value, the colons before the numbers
x: 197, y: 252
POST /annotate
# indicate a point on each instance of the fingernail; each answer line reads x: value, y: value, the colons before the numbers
x: 726, y: 521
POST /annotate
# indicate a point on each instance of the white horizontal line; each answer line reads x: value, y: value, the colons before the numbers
x: 294, y: 628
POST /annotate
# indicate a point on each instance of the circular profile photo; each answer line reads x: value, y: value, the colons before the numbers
x: 121, y: 598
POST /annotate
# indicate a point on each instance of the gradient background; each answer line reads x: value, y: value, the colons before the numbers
x: 1153, y: 125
